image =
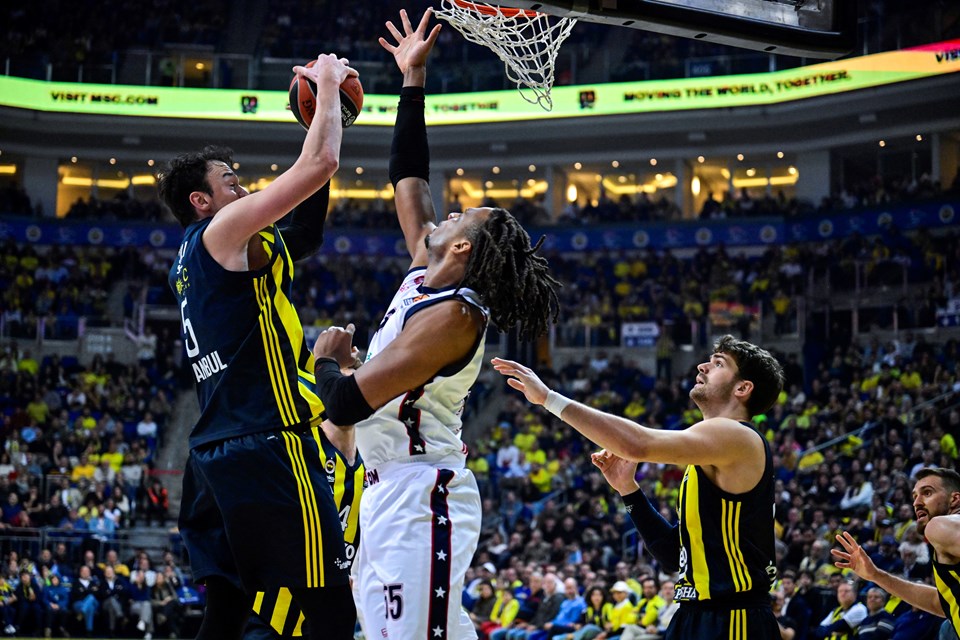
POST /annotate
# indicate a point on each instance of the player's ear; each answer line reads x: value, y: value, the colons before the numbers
x: 201, y: 201
x: 461, y: 246
x: 744, y: 388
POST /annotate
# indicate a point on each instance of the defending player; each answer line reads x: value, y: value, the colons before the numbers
x: 253, y: 460
x: 936, y: 501
x: 420, y: 513
x: 723, y: 545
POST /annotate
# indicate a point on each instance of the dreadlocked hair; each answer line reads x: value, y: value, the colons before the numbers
x: 513, y: 281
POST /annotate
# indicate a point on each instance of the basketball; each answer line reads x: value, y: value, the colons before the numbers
x: 303, y: 99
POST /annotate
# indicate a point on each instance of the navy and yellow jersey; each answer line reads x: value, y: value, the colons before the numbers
x: 243, y: 340
x: 276, y: 613
x: 726, y: 540
x: 947, y: 579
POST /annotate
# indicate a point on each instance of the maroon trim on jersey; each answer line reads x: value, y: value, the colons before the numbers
x: 409, y: 415
x: 441, y: 533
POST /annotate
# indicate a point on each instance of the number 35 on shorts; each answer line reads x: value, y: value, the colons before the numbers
x: 393, y: 599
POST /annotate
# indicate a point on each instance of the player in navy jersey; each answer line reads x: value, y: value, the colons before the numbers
x: 723, y: 544
x: 254, y: 460
x: 277, y: 616
x: 420, y: 513
x: 936, y: 501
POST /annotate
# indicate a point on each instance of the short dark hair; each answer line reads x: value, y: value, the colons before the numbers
x: 757, y: 366
x: 185, y: 174
x: 950, y: 478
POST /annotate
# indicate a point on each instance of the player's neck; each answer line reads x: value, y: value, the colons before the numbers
x: 732, y: 410
x: 442, y: 273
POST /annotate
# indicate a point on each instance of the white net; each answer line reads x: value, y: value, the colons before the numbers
x: 526, y: 41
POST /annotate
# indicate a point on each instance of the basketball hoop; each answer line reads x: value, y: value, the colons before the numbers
x: 525, y: 41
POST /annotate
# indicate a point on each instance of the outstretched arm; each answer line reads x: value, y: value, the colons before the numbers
x: 853, y: 557
x: 232, y: 227
x: 410, y: 153
x: 717, y: 442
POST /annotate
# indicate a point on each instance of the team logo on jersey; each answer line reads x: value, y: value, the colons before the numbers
x: 330, y: 465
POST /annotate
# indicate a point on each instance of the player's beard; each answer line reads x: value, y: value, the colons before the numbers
x: 706, y: 393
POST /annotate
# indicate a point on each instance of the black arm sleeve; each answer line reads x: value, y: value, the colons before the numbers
x: 303, y: 233
x: 410, y: 153
x: 343, y: 402
x: 661, y: 538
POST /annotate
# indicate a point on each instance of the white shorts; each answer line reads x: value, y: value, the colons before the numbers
x: 421, y: 527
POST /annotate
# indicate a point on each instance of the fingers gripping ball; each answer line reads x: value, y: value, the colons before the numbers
x: 303, y: 99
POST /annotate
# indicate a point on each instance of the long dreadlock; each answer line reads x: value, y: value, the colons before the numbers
x: 512, y: 279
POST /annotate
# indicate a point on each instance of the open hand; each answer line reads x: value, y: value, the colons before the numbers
x: 620, y: 473
x: 413, y: 46
x: 522, y: 379
x: 853, y: 557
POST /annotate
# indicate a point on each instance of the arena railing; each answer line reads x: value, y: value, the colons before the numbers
x: 29, y: 541
x: 914, y: 417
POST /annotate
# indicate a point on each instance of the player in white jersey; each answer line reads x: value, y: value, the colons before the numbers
x: 420, y: 513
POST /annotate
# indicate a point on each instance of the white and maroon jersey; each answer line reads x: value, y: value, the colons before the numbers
x: 425, y: 421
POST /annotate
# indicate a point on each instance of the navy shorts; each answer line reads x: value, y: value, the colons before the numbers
x: 693, y: 622
x: 258, y: 511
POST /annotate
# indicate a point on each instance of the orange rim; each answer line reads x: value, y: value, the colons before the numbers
x: 487, y: 10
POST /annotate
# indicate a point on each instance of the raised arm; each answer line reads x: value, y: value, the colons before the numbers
x: 410, y: 153
x: 232, y: 227
x: 303, y: 233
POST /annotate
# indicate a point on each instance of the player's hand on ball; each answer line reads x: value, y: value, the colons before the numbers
x: 620, y: 473
x: 337, y: 343
x: 328, y: 69
x: 522, y: 379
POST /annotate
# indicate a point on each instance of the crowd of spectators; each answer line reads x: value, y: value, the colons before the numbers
x: 546, y: 512
x: 78, y: 464
x: 75, y: 33
x: 80, y: 440
x: 120, y: 208
x: 66, y: 591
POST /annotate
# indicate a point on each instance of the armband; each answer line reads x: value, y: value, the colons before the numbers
x: 556, y: 403
x: 343, y: 402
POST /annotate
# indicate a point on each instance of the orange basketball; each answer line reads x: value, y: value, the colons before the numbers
x: 303, y: 99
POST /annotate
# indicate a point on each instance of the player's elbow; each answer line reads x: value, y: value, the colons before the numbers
x: 327, y: 161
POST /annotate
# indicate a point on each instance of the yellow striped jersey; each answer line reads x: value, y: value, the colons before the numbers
x: 726, y: 540
x: 947, y: 580
x: 277, y: 609
x: 243, y: 340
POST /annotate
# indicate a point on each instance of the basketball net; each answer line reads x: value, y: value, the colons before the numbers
x: 525, y: 41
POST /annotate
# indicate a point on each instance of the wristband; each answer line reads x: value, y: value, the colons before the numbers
x: 556, y: 403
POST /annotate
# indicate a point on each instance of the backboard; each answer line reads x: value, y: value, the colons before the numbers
x: 805, y: 28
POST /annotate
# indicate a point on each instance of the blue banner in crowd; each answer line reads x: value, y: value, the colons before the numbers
x: 685, y: 234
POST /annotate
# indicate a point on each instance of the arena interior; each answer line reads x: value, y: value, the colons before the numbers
x: 687, y: 189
